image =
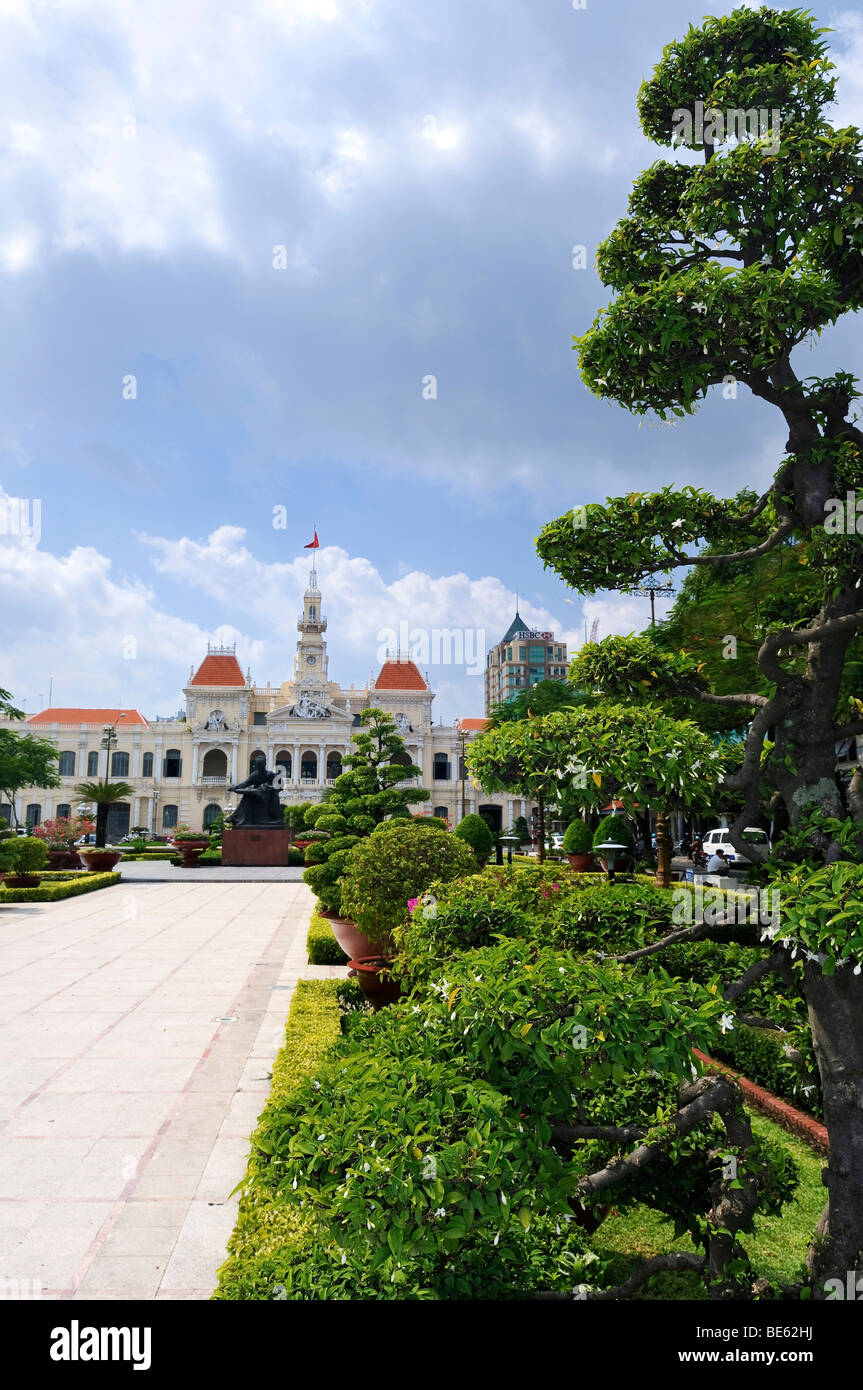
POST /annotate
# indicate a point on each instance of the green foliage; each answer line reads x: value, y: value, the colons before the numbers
x: 322, y: 946
x: 543, y: 698
x: 578, y: 838
x: 634, y: 754
x: 384, y: 871
x: 23, y: 854
x: 822, y: 916
x: 613, y: 830
x: 54, y: 891
x: 361, y: 799
x: 576, y: 912
x: 475, y: 833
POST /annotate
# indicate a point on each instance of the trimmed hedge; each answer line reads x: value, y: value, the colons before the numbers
x: 52, y: 892
x: 322, y: 945
x: 272, y: 1236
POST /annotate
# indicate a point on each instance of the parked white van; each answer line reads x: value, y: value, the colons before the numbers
x: 718, y: 839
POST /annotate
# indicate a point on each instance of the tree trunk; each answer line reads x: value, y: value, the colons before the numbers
x: 835, y: 1005
x: 663, y: 851
x: 101, y: 822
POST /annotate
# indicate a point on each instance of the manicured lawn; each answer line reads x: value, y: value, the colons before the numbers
x: 777, y: 1248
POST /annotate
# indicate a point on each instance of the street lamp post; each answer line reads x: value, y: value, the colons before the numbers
x: 649, y: 589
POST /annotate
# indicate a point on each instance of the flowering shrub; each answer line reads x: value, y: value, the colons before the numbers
x: 63, y: 831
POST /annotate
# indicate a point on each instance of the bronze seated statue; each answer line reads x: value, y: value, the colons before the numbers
x: 260, y: 807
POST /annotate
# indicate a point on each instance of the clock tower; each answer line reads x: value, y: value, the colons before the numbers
x: 310, y: 662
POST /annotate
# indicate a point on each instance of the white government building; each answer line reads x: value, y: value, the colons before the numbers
x: 181, y: 768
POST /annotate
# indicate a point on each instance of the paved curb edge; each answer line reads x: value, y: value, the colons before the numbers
x: 804, y: 1126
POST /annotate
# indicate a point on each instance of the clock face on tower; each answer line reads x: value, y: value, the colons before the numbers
x: 310, y: 660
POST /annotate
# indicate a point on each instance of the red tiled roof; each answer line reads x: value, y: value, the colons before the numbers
x: 218, y: 670
x: 471, y: 724
x: 88, y: 716
x: 399, y: 675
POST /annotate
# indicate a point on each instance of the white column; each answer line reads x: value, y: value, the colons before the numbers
x: 234, y: 752
x: 295, y: 766
x: 471, y: 801
x: 136, y: 759
x: 509, y: 811
x: 195, y: 763
x: 322, y: 763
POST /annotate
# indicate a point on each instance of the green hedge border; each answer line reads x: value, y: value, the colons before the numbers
x: 322, y: 946
x: 272, y: 1235
x: 53, y: 892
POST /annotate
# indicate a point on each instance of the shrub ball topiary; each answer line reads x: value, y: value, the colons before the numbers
x: 578, y: 838
x: 384, y: 872
x: 24, y: 854
x: 475, y: 832
x: 614, y: 829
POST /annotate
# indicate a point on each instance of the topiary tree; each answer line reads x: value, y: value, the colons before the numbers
x: 578, y: 838
x: 475, y: 832
x: 360, y: 800
x: 385, y: 871
x: 520, y: 829
x: 25, y: 761
x: 720, y: 271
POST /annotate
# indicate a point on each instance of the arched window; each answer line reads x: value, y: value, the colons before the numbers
x: 441, y: 768
x: 441, y: 811
x: 173, y: 764
x: 334, y: 766
x: 33, y: 815
x: 258, y: 759
x: 309, y: 767
x: 169, y: 817
x: 119, y: 764
x: 211, y: 811
x: 283, y: 760
x: 215, y: 763
x: 147, y: 770
x: 92, y: 764
x: 66, y: 765
x: 64, y: 810
x: 312, y: 611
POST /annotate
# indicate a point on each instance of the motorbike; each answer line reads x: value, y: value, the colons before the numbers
x: 697, y: 855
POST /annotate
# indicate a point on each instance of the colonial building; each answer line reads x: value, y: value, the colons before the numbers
x: 181, y: 769
x: 521, y: 658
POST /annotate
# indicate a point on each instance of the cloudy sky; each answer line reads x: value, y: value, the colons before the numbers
x: 235, y: 241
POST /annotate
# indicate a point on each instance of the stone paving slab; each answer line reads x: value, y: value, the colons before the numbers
x: 137, y: 1034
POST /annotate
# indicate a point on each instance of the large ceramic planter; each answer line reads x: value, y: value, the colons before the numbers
x: 66, y: 858
x: 376, y: 980
x: 580, y: 863
x: 353, y: 942
x: 22, y: 880
x: 100, y: 861
x: 189, y: 850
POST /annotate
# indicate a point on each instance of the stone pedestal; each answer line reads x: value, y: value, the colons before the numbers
x: 247, y: 847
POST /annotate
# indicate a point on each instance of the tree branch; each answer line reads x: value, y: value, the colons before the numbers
x: 660, y: 1264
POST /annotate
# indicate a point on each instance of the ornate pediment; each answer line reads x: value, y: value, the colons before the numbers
x: 308, y: 706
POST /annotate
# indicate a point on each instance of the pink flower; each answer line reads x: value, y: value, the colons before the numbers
x: 412, y: 903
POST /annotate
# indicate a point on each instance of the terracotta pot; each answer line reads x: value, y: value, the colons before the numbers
x: 100, y: 861
x: 190, y: 849
x: 23, y: 880
x: 353, y: 942
x: 376, y: 980
x: 581, y: 863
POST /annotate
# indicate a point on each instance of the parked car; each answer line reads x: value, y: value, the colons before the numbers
x: 718, y: 839
x: 86, y: 839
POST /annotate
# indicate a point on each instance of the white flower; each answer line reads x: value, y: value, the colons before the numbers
x: 678, y: 522
x: 497, y: 1238
x: 700, y: 308
x: 601, y: 381
x: 726, y: 1023
x: 320, y: 1137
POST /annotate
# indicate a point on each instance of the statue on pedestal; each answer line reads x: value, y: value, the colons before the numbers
x: 260, y: 807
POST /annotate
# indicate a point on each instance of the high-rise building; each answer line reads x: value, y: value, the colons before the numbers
x: 522, y: 658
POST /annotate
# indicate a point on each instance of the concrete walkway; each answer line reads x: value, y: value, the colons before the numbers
x: 138, y: 1027
x: 163, y: 871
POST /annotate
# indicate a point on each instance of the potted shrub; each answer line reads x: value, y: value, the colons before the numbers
x: 99, y: 859
x: 475, y: 832
x: 22, y: 857
x: 60, y: 835
x: 614, y: 829
x: 384, y: 872
x: 578, y: 846
x: 190, y: 843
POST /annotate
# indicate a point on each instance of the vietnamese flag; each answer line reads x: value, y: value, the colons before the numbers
x: 312, y: 545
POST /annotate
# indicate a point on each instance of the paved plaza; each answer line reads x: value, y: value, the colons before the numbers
x: 138, y: 1026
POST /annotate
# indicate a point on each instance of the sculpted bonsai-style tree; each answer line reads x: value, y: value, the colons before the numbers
x: 720, y: 270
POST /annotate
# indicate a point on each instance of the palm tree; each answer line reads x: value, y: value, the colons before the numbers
x: 104, y: 794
